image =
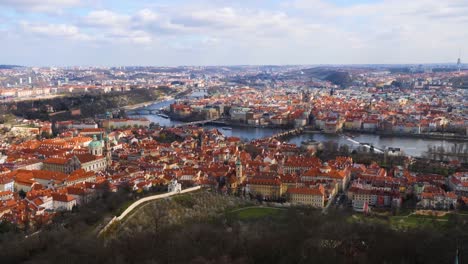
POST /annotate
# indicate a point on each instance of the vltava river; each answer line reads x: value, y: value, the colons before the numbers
x: 411, y: 146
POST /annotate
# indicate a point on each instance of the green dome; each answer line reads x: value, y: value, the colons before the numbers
x: 95, y: 143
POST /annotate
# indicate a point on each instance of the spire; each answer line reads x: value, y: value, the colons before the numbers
x: 459, y: 60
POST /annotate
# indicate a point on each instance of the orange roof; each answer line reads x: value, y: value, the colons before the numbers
x: 59, y: 161
x: 264, y: 181
x: 62, y: 197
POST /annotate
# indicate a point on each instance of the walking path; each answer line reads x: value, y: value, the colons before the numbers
x: 135, y: 205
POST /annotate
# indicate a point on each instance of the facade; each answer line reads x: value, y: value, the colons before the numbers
x: 266, y: 187
x: 373, y: 197
x: 314, y: 197
x: 459, y: 182
x: 438, y: 201
x: 70, y: 164
x: 6, y: 184
x: 63, y: 202
x: 123, y: 123
x: 92, y: 161
x: 174, y: 186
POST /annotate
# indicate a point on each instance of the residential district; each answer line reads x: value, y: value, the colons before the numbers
x: 47, y: 167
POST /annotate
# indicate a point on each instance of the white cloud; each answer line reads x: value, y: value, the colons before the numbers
x: 53, y: 30
x: 52, y: 6
x: 301, y: 31
x: 106, y: 18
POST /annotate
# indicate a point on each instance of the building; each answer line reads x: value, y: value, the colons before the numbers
x: 458, y: 183
x: 174, y: 186
x: 71, y: 163
x: 63, y: 202
x: 268, y: 188
x: 124, y: 123
x: 6, y: 184
x: 375, y: 197
x: 327, y: 173
x: 314, y: 196
x: 92, y: 161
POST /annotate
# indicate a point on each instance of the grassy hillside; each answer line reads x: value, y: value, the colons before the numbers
x: 205, y: 227
x: 89, y: 104
x: 177, y: 210
x: 341, y: 78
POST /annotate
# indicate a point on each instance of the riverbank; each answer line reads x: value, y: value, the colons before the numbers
x: 146, y: 104
x: 411, y: 135
x: 413, y: 146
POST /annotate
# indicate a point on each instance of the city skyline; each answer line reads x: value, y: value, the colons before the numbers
x: 172, y: 33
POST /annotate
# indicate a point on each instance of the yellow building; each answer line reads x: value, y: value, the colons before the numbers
x: 267, y: 187
x: 308, y: 196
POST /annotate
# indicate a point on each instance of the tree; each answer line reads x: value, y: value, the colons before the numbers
x: 259, y: 197
x: 22, y: 194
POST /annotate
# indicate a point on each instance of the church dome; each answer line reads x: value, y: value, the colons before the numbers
x: 95, y: 143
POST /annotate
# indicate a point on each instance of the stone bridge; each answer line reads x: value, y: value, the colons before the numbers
x: 291, y: 132
x: 201, y: 122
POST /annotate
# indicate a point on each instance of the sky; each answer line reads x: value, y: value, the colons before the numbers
x: 239, y: 32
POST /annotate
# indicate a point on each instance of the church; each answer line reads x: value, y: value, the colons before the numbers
x: 97, y: 159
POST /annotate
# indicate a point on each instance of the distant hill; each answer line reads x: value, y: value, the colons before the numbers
x: 342, y: 79
x: 460, y: 82
x: 7, y: 67
x: 337, y: 77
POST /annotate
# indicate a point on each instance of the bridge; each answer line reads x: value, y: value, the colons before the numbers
x: 143, y: 111
x: 291, y: 132
x: 194, y: 123
x: 366, y: 145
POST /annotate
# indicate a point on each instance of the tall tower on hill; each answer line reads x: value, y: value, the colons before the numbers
x: 459, y: 61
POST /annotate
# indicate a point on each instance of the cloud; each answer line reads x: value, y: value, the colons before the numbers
x: 294, y: 32
x: 105, y: 18
x: 63, y: 31
x: 52, y: 6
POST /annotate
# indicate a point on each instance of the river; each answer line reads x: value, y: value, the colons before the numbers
x: 411, y: 146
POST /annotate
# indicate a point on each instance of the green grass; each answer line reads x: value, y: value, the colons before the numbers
x: 185, y: 200
x: 418, y: 221
x: 255, y: 212
x: 123, y: 207
x: 404, y: 222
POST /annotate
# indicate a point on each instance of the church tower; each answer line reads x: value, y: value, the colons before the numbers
x: 107, y: 150
x: 239, y: 172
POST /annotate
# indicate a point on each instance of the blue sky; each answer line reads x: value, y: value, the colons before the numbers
x: 222, y: 32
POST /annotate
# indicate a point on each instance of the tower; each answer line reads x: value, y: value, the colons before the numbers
x: 459, y: 61
x: 239, y: 172
x: 107, y: 150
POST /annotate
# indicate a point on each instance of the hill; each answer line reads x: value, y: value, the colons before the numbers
x: 8, y: 67
x: 207, y: 227
x: 460, y: 82
x: 337, y: 77
x: 89, y: 104
x: 176, y: 210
